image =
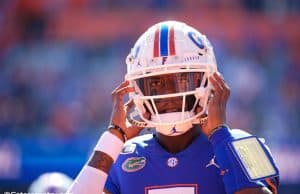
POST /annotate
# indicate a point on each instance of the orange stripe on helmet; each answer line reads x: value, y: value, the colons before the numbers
x: 156, y: 43
x: 171, y: 41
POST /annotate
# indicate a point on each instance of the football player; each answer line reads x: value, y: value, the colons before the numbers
x: 175, y: 88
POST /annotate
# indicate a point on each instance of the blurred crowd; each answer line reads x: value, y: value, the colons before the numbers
x: 60, y: 61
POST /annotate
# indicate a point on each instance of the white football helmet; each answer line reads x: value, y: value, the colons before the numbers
x: 169, y: 67
x: 51, y: 182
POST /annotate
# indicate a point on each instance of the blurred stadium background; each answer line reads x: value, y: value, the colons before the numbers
x: 60, y: 60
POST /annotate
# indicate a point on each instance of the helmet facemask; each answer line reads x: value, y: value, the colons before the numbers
x: 172, y: 99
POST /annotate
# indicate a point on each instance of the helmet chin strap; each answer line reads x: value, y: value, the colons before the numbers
x: 172, y: 129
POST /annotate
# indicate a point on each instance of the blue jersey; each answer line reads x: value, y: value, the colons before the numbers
x: 145, y: 167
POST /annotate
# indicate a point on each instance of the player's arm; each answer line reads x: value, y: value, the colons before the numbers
x: 245, y: 161
x: 93, y: 175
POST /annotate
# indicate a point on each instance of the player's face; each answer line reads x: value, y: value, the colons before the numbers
x: 171, y: 84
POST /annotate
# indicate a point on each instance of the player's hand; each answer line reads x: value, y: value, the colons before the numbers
x: 217, y: 103
x: 119, y: 110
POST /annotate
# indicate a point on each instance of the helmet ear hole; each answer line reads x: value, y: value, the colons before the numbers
x: 129, y: 59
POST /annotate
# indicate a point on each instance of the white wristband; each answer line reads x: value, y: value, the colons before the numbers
x: 109, y: 144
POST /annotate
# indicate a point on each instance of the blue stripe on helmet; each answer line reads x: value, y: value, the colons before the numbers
x: 164, y: 31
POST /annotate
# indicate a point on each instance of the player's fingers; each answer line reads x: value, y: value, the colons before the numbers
x: 219, y: 78
x: 217, y: 90
x: 225, y: 88
x: 125, y: 90
x: 123, y: 84
x: 227, y: 93
x: 128, y: 105
x: 121, y: 92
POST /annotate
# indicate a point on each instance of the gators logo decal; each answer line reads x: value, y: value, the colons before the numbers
x: 134, y: 164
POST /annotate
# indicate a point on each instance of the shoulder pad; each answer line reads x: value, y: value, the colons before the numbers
x: 131, y: 145
x: 128, y: 148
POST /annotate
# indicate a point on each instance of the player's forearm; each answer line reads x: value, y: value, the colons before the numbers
x: 93, y: 175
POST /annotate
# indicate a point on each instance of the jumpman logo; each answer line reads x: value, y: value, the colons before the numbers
x: 174, y: 130
x: 212, y: 163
